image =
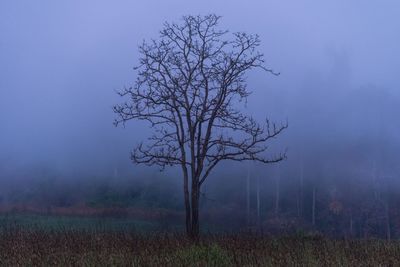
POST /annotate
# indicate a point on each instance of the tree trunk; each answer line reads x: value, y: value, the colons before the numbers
x: 301, y: 200
x: 187, y: 204
x: 376, y: 181
x: 195, y: 228
x: 299, y: 195
x: 277, y: 191
x: 258, y: 201
x: 298, y: 204
x: 248, y: 197
x: 313, y: 206
x: 388, y: 230
x: 351, y: 224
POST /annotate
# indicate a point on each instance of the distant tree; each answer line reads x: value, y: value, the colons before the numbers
x: 189, y: 82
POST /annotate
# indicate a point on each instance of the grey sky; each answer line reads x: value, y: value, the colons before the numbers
x: 60, y: 62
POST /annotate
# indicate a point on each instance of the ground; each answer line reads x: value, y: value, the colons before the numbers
x: 33, y: 240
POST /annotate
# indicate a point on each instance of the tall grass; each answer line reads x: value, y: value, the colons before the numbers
x: 35, y: 247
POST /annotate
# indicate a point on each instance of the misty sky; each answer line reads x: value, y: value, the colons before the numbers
x: 61, y: 62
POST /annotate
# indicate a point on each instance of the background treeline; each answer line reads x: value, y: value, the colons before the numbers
x: 309, y: 195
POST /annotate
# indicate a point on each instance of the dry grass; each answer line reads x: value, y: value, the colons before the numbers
x: 23, y: 247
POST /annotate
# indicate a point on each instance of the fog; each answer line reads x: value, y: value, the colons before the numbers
x: 61, y: 63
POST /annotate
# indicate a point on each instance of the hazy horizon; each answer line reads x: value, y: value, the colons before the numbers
x: 61, y: 63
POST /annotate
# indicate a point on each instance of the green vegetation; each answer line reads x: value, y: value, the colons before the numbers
x: 211, y: 254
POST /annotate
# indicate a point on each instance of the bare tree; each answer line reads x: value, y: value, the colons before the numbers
x: 188, y: 84
x: 313, y: 204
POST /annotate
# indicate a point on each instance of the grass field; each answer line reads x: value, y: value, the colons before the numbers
x: 33, y: 240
